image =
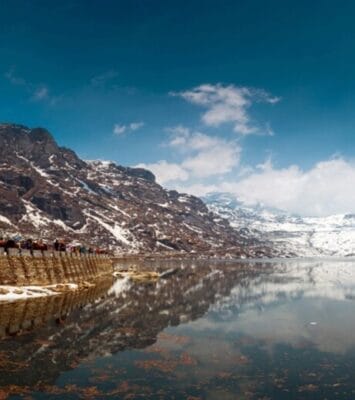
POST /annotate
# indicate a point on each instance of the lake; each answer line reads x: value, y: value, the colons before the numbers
x: 281, y: 329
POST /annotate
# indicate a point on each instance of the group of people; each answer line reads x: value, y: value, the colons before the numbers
x: 57, y: 245
x: 28, y: 244
x: 8, y: 243
x: 60, y: 245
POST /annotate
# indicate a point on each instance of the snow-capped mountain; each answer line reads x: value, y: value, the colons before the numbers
x: 48, y: 191
x: 289, y: 234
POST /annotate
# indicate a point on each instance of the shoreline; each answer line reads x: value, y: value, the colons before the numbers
x: 51, y: 268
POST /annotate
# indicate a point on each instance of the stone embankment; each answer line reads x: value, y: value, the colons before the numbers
x: 49, y: 268
x: 26, y: 315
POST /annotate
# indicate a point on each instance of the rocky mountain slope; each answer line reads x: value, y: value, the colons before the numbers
x: 48, y: 191
x: 288, y: 234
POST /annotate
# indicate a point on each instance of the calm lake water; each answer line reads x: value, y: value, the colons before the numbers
x: 264, y: 330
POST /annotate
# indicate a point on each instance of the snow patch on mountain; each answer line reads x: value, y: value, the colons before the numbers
x: 290, y: 234
x: 48, y: 191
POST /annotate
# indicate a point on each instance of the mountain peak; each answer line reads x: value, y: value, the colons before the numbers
x: 21, y: 137
x: 286, y: 233
x: 48, y: 191
x: 9, y: 125
x: 41, y: 135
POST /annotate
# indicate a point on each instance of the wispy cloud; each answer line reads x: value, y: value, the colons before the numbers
x: 229, y: 104
x: 135, y: 126
x: 36, y: 92
x: 102, y: 79
x: 41, y: 93
x: 120, y: 129
x: 11, y: 76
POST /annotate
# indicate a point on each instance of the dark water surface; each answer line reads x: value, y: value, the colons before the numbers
x: 276, y: 330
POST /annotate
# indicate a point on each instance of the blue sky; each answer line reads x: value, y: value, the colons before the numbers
x: 87, y: 69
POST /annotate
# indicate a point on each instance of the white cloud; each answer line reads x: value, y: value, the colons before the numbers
x: 166, y: 172
x: 204, y: 155
x: 229, y: 104
x: 121, y: 129
x: 14, y: 79
x: 325, y: 189
x: 37, y: 93
x: 136, y: 125
x: 101, y: 79
x: 179, y: 135
x: 211, y: 156
x: 197, y: 189
x: 41, y: 93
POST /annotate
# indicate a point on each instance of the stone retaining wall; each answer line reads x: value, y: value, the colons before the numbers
x: 48, y: 268
x: 27, y: 314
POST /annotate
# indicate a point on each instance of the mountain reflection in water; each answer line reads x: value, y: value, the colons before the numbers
x: 210, y: 330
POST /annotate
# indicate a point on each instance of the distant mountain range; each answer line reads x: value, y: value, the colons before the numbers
x: 289, y: 235
x: 47, y: 191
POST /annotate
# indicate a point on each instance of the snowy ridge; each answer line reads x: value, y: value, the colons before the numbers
x: 290, y: 234
x: 47, y: 191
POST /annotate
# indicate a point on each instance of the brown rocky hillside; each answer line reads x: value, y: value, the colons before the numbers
x: 48, y: 191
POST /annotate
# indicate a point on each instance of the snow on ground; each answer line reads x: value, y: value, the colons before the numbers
x: 163, y: 205
x: 159, y: 243
x: 5, y: 220
x: 12, y: 293
x: 304, y: 236
x: 34, y: 216
x: 113, y: 206
x: 38, y: 219
x: 35, y: 167
x: 116, y: 230
x: 100, y: 163
x: 120, y: 286
x: 183, y: 198
x: 192, y: 228
x: 86, y: 186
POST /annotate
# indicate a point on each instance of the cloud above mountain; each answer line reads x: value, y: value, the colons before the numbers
x: 229, y: 104
x: 202, y: 156
x: 36, y: 92
x: 120, y: 129
x: 209, y: 161
x: 324, y: 189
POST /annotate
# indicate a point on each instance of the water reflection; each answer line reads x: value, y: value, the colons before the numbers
x: 299, y: 302
x: 208, y: 330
